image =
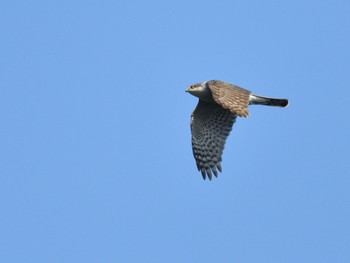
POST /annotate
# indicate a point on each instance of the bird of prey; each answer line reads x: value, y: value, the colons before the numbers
x: 211, y: 122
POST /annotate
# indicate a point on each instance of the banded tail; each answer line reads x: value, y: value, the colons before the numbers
x: 260, y: 100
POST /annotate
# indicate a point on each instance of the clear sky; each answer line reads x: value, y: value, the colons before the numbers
x: 95, y: 150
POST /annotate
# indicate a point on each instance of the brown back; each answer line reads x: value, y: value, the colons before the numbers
x: 230, y: 97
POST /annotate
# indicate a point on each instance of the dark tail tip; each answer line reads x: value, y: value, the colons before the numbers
x: 284, y: 103
x: 260, y: 100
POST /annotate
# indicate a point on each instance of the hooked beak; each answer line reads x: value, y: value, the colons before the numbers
x: 187, y: 90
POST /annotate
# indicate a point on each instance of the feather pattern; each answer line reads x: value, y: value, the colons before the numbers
x: 230, y: 97
x: 210, y: 126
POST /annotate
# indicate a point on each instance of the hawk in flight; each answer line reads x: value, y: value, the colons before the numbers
x: 211, y: 122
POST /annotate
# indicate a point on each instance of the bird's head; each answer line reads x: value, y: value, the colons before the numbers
x: 197, y: 89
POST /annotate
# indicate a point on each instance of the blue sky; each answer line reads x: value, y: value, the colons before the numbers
x: 96, y: 160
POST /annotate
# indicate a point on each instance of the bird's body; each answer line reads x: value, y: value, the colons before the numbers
x: 211, y: 122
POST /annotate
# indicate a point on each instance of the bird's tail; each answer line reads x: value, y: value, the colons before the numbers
x: 260, y: 100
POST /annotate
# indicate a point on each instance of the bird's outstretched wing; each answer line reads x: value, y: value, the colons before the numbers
x: 210, y: 126
x: 231, y: 97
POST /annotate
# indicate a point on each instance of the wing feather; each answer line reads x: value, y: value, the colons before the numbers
x: 231, y: 97
x: 211, y: 124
